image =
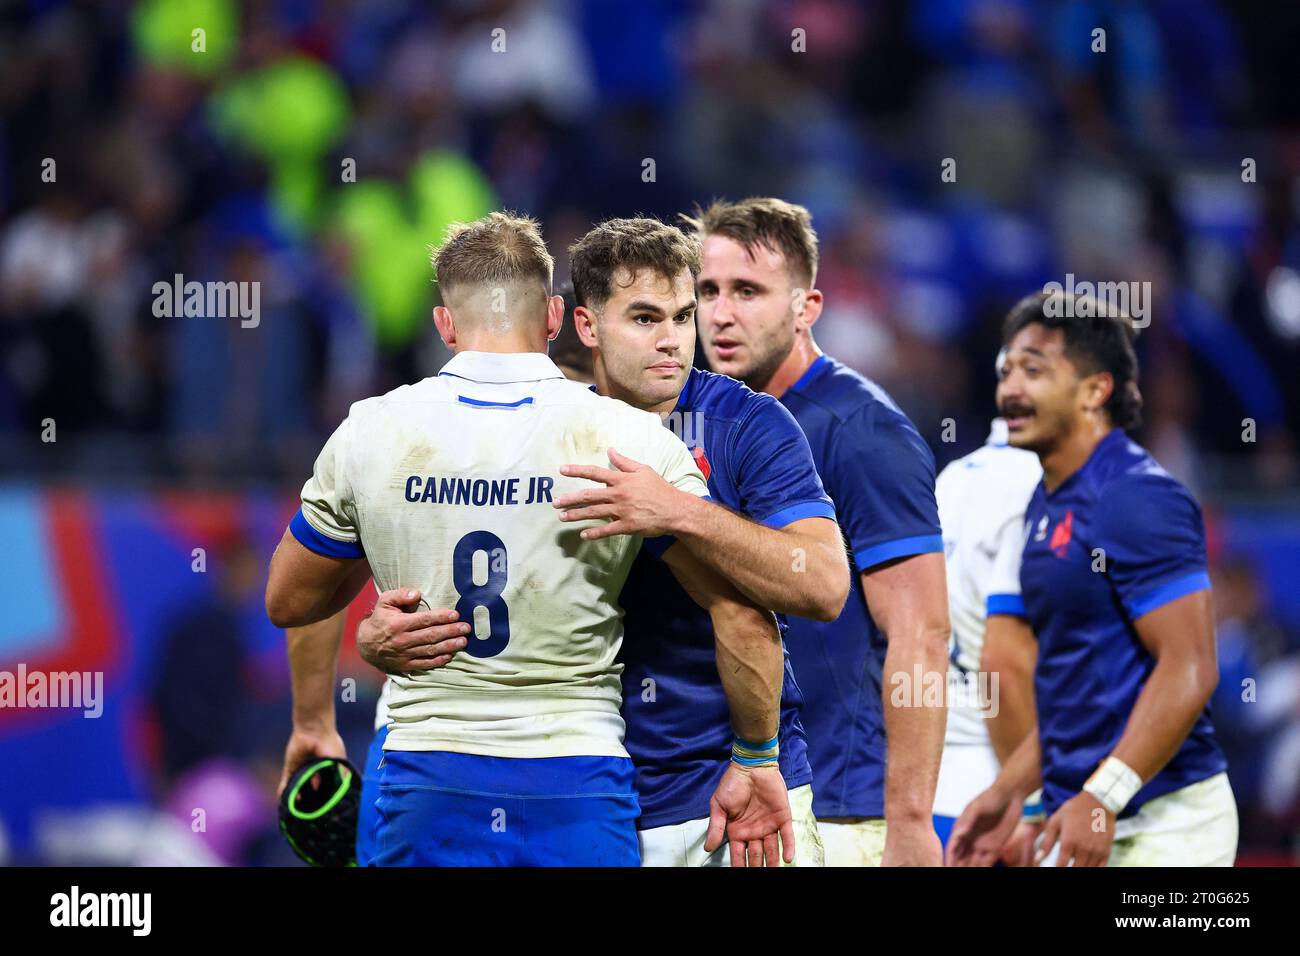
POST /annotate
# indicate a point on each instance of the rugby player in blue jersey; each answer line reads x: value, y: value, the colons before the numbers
x: 695, y: 776
x: 776, y: 539
x: 865, y: 674
x: 1116, y: 590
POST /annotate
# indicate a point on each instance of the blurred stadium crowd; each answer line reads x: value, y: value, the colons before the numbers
x: 319, y: 147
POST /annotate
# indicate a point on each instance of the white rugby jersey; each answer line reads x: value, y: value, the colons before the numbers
x: 982, y: 499
x: 381, y: 706
x: 447, y: 486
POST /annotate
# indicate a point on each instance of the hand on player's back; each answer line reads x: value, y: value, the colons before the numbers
x: 752, y: 805
x: 400, y: 641
x: 635, y: 499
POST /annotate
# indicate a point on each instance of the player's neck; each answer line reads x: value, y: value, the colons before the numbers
x: 497, y: 345
x: 792, y: 367
x: 1072, y: 452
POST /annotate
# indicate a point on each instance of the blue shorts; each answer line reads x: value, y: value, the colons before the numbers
x: 449, y: 809
x: 943, y: 827
x: 368, y: 816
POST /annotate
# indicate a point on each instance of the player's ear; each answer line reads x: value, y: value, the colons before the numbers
x: 446, y: 325
x: 807, y: 305
x: 584, y: 321
x: 554, y: 317
x: 1097, y: 390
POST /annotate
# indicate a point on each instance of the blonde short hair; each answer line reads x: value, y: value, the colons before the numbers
x: 501, y: 248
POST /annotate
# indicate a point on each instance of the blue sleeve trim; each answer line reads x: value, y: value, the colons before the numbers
x: 313, y: 540
x: 657, y: 546
x: 797, y: 512
x: 1166, y: 593
x: 1005, y: 604
x: 900, y: 548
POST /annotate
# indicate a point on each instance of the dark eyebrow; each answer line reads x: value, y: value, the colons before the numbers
x: 687, y: 308
x: 640, y: 306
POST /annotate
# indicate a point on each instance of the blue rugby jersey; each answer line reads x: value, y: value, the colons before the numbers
x: 879, y: 473
x: 756, y: 462
x: 1124, y: 515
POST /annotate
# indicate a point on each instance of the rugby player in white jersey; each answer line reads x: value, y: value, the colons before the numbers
x: 396, y: 635
x: 982, y: 499
x: 448, y: 485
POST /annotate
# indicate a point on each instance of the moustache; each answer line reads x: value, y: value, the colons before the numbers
x: 1015, y: 411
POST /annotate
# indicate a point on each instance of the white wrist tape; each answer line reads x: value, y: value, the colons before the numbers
x: 1113, y: 784
x: 1034, y: 812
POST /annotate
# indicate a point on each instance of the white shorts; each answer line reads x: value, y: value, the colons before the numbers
x: 860, y: 843
x: 1195, y: 825
x: 966, y: 771
x: 682, y: 844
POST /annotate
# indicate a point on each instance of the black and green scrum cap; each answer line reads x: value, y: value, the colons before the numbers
x: 321, y: 823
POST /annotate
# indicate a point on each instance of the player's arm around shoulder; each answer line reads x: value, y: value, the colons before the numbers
x: 795, y: 566
x: 646, y: 494
x: 816, y: 568
x: 790, y: 557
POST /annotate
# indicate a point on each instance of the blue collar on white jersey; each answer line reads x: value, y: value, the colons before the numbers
x: 499, y: 368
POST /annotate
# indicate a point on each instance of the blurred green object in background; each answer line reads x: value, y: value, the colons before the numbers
x: 448, y: 188
x: 164, y: 33
x: 391, y: 235
x: 290, y: 115
x: 296, y: 107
